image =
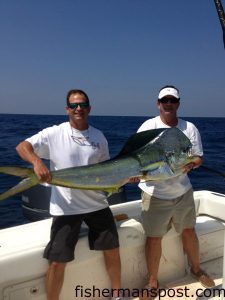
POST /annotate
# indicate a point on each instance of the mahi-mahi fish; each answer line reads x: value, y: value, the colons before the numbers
x: 156, y: 154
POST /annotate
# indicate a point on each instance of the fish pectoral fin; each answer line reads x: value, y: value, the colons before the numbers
x: 23, y: 185
x: 159, y: 168
x: 112, y: 191
x: 157, y: 171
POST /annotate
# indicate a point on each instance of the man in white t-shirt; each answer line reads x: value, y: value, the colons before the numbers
x: 74, y: 143
x: 171, y: 201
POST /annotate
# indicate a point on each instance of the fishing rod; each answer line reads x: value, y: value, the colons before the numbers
x: 221, y: 15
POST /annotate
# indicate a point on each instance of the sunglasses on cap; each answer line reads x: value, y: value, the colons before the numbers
x: 171, y: 100
x: 75, y: 105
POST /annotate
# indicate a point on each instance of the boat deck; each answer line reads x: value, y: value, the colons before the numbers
x: 188, y: 288
x: 23, y: 269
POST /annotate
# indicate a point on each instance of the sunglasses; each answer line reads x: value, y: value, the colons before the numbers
x: 171, y: 100
x: 75, y: 105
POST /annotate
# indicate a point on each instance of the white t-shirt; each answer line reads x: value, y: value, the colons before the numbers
x: 66, y: 147
x: 177, y: 186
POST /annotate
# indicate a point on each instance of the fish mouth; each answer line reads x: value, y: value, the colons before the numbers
x: 189, y: 151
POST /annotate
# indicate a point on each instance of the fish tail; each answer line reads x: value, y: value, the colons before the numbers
x: 23, y: 185
x: 17, y: 171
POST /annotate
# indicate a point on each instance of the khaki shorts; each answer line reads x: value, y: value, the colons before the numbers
x: 158, y: 215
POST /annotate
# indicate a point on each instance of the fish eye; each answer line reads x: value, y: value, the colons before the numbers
x: 170, y: 153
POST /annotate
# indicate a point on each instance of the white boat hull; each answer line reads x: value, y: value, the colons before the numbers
x: 22, y: 268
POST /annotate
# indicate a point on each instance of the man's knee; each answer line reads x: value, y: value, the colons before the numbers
x: 153, y: 240
x: 112, y: 252
x: 188, y: 232
x: 57, y: 266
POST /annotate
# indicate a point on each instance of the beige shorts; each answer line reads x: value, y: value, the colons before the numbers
x: 158, y: 215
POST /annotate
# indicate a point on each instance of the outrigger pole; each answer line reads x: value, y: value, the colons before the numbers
x: 221, y: 15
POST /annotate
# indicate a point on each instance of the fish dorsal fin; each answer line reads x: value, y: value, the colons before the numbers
x: 140, y: 139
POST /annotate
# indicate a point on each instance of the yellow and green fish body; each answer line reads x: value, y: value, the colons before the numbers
x: 149, y: 155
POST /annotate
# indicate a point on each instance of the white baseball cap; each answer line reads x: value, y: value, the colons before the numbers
x: 169, y: 91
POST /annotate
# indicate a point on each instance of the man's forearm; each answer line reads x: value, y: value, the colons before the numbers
x: 26, y: 152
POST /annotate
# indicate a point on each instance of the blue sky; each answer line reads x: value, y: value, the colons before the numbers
x: 121, y: 52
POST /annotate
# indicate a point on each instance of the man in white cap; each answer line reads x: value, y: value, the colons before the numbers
x: 171, y: 200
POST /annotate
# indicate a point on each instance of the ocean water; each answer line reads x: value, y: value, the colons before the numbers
x: 15, y: 128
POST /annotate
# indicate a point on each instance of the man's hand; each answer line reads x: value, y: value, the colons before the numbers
x: 42, y: 171
x: 187, y: 168
x: 26, y: 152
x: 197, y: 161
x: 134, y: 180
